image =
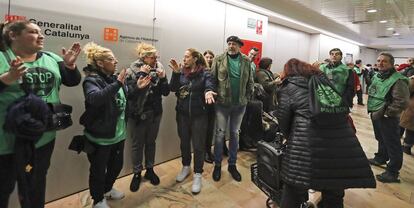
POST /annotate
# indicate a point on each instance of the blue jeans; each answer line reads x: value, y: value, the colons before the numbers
x: 223, y: 114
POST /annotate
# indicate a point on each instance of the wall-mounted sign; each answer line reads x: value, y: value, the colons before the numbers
x: 251, y: 23
x: 259, y: 27
x: 13, y: 17
x: 111, y: 34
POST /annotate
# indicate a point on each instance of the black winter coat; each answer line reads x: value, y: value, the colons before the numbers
x: 190, y: 92
x: 320, y: 154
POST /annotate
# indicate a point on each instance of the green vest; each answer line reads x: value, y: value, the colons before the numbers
x: 379, y: 88
x: 43, y: 78
x: 338, y: 76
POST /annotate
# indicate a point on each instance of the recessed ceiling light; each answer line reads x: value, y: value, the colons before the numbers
x: 396, y: 34
x: 383, y: 21
x: 371, y: 10
x: 390, y: 28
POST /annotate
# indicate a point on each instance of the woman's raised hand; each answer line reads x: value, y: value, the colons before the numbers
x: 70, y: 56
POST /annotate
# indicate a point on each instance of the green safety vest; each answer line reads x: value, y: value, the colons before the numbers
x: 379, y: 88
x: 338, y: 76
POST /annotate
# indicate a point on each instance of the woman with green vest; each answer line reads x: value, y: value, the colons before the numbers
x: 25, y: 67
x: 104, y: 121
x: 388, y: 96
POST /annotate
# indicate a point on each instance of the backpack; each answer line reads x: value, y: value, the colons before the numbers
x: 324, y: 99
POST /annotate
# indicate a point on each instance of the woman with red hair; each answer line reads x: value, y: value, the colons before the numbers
x: 321, y: 154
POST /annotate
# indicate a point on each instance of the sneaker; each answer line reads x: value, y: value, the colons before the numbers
x: 407, y: 149
x: 196, y: 188
x: 152, y: 177
x: 101, y: 204
x: 114, y: 194
x: 234, y: 172
x: 217, y: 173
x: 135, y: 182
x: 183, y: 174
x: 375, y: 162
x: 387, y: 177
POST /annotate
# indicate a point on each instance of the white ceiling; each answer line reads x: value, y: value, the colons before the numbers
x: 350, y: 19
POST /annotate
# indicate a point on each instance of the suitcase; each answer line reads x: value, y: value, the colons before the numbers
x: 266, y: 172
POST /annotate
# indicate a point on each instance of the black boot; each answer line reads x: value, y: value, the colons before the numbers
x: 209, y: 157
x: 152, y: 177
x: 217, y: 173
x: 135, y: 182
x: 234, y: 173
x: 387, y: 177
x: 407, y: 149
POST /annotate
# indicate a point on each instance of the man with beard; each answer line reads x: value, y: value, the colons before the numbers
x: 233, y: 78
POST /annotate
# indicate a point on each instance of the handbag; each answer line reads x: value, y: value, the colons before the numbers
x: 61, y: 116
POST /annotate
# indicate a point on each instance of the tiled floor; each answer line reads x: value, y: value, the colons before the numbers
x: 229, y: 193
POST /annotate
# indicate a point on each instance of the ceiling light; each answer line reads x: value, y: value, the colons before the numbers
x: 390, y: 28
x: 383, y: 21
x: 371, y: 10
x: 396, y: 34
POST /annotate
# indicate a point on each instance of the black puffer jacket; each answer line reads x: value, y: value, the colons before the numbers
x: 320, y: 155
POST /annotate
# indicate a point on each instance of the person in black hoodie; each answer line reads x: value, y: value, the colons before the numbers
x: 321, y: 154
x: 104, y: 121
x: 145, y: 110
x: 193, y: 87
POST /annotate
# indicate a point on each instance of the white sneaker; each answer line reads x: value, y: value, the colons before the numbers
x: 196, y: 183
x: 114, y: 194
x: 101, y: 204
x: 183, y: 174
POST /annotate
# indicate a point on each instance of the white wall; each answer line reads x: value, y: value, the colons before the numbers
x: 327, y: 43
x: 368, y: 55
x: 283, y: 43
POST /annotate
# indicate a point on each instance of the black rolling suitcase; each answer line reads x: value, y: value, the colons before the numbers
x: 266, y: 172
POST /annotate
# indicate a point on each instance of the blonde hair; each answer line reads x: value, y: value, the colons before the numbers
x: 95, y: 52
x: 145, y: 49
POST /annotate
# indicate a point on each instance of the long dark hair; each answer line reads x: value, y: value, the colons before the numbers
x: 296, y: 67
x: 7, y: 27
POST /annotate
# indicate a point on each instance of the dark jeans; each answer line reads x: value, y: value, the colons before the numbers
x: 359, y: 95
x: 8, y: 176
x: 105, y: 165
x: 192, y: 130
x: 144, y: 134
x: 409, y: 138
x: 223, y: 115
x: 387, y: 132
x: 211, y: 116
x: 293, y: 197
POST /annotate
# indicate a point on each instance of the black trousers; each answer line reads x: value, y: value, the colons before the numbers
x: 359, y: 95
x: 387, y: 132
x: 211, y: 117
x: 192, y: 130
x: 293, y: 197
x: 144, y: 134
x: 8, y: 176
x: 105, y: 165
